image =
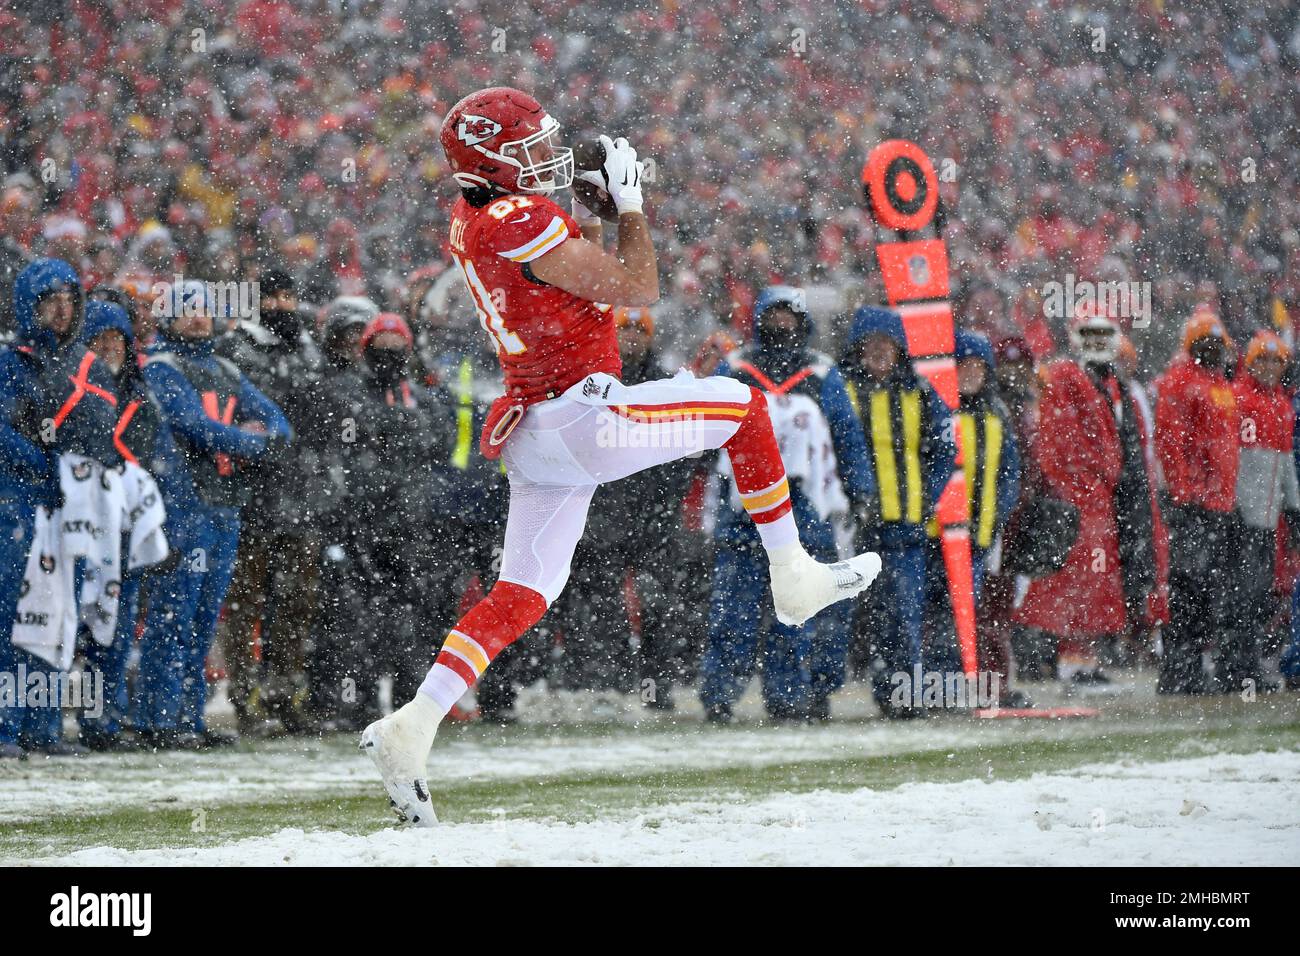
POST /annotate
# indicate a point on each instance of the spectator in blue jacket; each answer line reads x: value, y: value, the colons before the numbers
x: 54, y: 398
x: 214, y: 421
x: 991, y: 464
x: 802, y: 666
x: 910, y: 455
x: 109, y: 333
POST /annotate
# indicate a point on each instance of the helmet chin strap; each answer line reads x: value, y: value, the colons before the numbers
x: 470, y: 181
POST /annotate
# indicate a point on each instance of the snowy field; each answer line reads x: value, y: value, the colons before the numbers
x: 1208, y: 782
x: 1227, y: 809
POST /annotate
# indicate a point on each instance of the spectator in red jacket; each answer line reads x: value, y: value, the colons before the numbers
x: 1266, y: 488
x: 1089, y: 448
x: 1197, y: 427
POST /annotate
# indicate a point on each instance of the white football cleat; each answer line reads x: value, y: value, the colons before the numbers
x: 399, y: 747
x: 803, y: 586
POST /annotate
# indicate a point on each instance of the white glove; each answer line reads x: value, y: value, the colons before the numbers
x: 621, y: 175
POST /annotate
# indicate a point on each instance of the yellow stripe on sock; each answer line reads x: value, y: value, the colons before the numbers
x: 469, y: 650
x: 768, y: 498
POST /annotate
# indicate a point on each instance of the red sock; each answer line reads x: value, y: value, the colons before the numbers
x: 487, y: 629
x: 760, y: 474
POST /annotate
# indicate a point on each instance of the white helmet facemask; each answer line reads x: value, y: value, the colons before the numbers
x: 536, y: 175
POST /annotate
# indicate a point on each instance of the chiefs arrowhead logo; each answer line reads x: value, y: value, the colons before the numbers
x: 475, y: 129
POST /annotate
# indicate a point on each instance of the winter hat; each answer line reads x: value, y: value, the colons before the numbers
x: 387, y: 322
x: 1202, y: 323
x: 347, y: 311
x: 63, y: 227
x: 189, y: 298
x: 973, y: 345
x: 1265, y: 342
x: 43, y: 277
x: 784, y: 296
x: 102, y: 316
x: 870, y: 319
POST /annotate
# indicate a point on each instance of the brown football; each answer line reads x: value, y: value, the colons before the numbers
x: 587, y: 156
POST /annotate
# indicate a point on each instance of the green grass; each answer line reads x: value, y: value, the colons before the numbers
x: 357, y: 808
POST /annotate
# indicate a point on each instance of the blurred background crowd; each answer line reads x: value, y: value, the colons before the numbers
x: 292, y: 144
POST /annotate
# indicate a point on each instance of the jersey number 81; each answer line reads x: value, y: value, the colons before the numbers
x: 488, y: 316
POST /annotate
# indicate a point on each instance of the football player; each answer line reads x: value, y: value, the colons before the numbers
x: 566, y: 424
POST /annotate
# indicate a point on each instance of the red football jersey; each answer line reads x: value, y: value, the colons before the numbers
x: 546, y: 339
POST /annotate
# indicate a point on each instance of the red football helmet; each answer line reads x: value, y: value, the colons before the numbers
x: 502, y: 139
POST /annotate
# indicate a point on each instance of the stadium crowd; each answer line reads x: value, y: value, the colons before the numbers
x: 306, y: 506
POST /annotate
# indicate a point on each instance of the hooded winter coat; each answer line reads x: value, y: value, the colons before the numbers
x: 50, y: 387
x: 910, y: 450
x: 992, y: 456
x: 138, y: 415
x: 1092, y: 458
x: 1197, y: 427
x: 784, y: 365
x: 203, y: 452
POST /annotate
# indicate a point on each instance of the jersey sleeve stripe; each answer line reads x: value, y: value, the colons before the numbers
x: 551, y: 236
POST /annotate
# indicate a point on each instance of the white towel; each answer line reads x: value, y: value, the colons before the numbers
x: 141, y: 526
x: 46, y: 621
x: 93, y: 508
x: 90, y: 525
x: 145, y: 516
x: 94, y: 514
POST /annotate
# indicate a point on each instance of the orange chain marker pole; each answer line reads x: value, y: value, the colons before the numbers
x: 902, y: 193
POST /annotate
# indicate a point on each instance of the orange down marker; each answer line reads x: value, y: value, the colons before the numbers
x: 902, y: 193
